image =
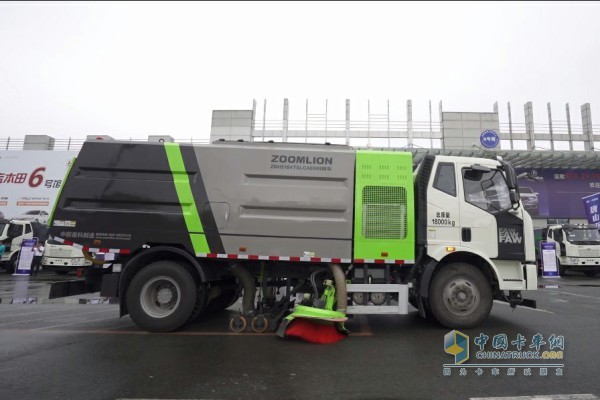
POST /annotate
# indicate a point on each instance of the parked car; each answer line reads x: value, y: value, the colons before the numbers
x: 530, y: 200
x: 40, y: 216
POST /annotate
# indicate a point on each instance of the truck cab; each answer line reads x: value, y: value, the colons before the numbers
x: 473, y: 230
x: 12, y: 234
x: 577, y: 247
x: 61, y: 258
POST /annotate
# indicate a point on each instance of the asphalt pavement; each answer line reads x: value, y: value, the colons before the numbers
x: 85, y: 351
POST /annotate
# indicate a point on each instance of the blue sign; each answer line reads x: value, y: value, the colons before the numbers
x: 25, y: 257
x: 549, y: 265
x: 489, y: 139
x: 591, y: 204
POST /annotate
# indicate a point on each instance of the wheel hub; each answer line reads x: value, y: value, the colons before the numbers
x: 159, y: 297
x: 461, y: 296
x: 164, y: 296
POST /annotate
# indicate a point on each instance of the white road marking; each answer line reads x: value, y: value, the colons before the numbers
x: 73, y: 323
x: 13, y: 307
x: 580, y: 295
x: 524, y: 308
x: 37, y: 312
x: 56, y: 316
x: 542, y: 397
x: 559, y: 301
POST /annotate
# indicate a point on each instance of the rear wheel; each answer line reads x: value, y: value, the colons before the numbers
x: 161, y: 296
x: 12, y: 264
x: 561, y: 268
x: 201, y: 300
x: 460, y: 296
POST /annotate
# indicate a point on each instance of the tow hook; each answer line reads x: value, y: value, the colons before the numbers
x: 515, y: 299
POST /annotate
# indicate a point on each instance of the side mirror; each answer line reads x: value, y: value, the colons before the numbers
x: 514, y: 198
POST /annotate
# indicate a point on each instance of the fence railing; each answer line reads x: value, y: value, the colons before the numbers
x: 74, y: 144
x: 340, y: 125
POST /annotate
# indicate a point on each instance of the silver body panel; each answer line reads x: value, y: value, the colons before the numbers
x: 281, y: 200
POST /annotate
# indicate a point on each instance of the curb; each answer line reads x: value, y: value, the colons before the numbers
x: 64, y: 300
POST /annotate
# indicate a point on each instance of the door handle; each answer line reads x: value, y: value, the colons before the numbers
x: 466, y: 234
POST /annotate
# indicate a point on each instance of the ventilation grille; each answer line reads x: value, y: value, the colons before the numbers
x: 384, y: 212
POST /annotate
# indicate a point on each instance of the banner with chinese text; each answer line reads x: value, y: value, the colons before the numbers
x: 30, y: 181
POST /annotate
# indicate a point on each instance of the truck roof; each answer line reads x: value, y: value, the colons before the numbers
x: 573, y: 226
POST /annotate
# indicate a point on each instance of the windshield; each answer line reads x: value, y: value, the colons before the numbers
x: 2, y: 226
x: 32, y: 212
x: 526, y: 190
x: 583, y: 236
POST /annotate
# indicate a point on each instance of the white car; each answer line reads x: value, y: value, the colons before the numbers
x: 40, y: 216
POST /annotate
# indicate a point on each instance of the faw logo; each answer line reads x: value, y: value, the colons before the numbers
x: 509, y: 235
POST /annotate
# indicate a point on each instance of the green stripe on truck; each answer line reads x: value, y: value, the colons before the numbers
x: 183, y: 188
x: 64, y: 182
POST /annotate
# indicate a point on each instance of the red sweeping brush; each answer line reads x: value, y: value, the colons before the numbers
x: 313, y: 331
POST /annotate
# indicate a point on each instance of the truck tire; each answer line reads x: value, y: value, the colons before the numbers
x: 460, y: 296
x: 201, y: 300
x: 11, y: 267
x: 161, y: 296
x: 561, y: 269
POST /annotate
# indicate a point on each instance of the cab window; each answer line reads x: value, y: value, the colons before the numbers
x: 14, y: 230
x: 445, y: 180
x: 486, y: 190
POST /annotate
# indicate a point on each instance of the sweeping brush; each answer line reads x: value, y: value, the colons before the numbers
x: 314, y: 331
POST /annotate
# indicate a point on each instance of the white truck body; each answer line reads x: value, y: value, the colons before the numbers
x: 62, y: 258
x: 12, y: 234
x: 577, y: 247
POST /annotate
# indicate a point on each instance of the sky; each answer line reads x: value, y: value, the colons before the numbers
x: 137, y: 69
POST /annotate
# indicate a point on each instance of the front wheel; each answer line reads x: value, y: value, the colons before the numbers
x: 161, y: 296
x: 561, y: 268
x: 460, y: 296
x: 12, y: 264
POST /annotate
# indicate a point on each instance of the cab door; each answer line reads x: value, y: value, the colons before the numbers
x: 443, y: 207
x: 489, y: 225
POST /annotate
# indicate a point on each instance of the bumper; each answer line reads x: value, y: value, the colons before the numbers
x: 581, y: 264
x: 62, y: 263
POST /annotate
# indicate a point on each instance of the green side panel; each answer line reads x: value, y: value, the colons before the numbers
x: 384, y: 212
x: 186, y: 198
x: 64, y: 182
